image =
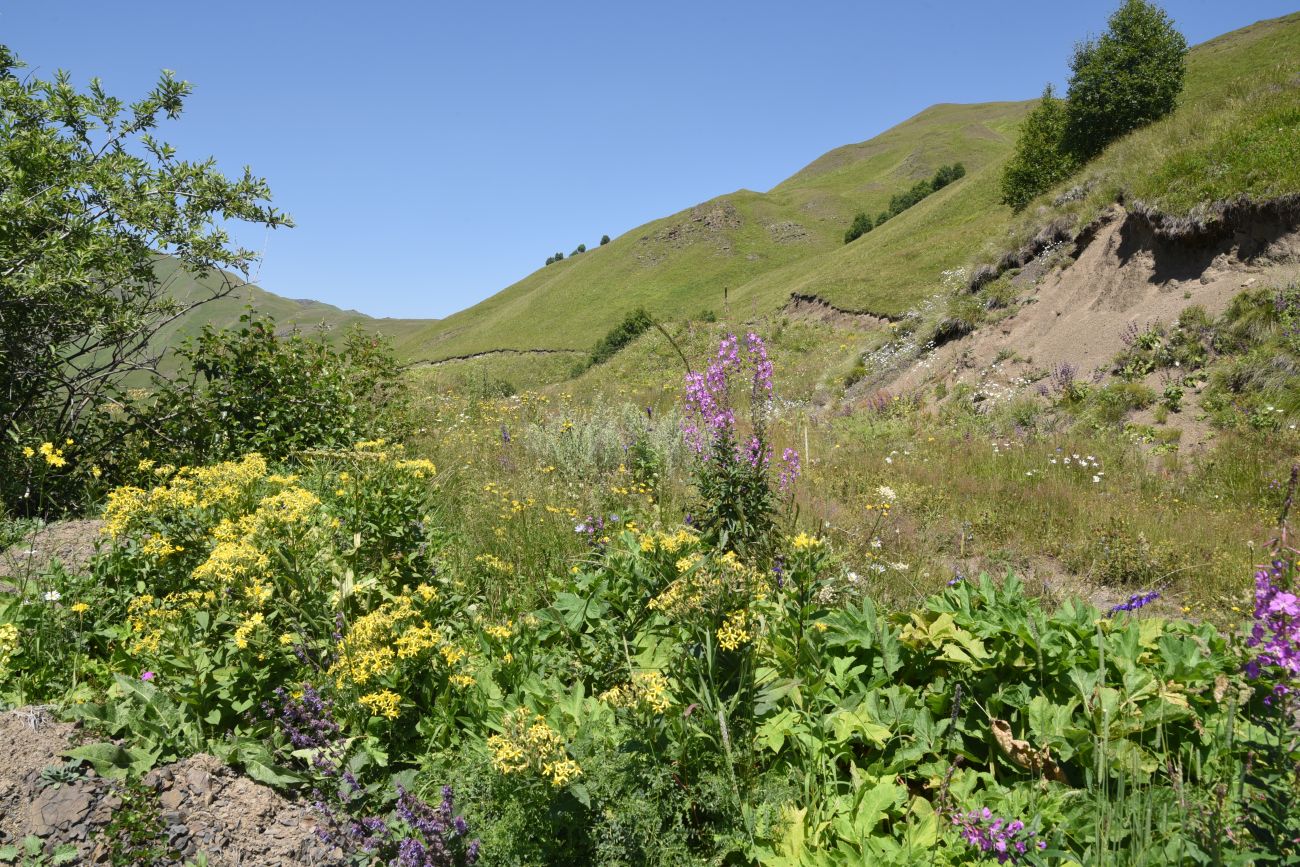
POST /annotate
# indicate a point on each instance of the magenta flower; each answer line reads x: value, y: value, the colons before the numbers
x: 148, y: 676
x: 1276, y: 631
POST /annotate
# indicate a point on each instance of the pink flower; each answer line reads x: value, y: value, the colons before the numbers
x: 148, y: 676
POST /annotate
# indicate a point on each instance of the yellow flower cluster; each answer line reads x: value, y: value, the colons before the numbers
x: 418, y: 467
x: 495, y: 564
x: 159, y: 546
x: 500, y: 631
x: 527, y: 743
x: 704, y: 581
x: 150, y: 617
x: 669, y: 543
x: 735, y: 631
x: 53, y: 457
x: 291, y: 506
x: 646, y: 691
x: 395, y: 632
x: 804, y: 542
x: 385, y: 703
x: 224, y: 484
x: 233, y: 562
x: 246, y: 629
x: 8, y: 643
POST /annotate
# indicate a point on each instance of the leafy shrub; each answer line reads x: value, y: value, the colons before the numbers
x: 899, y: 202
x: 634, y: 324
x: 861, y: 225
x: 248, y: 389
x: 604, y: 239
x: 946, y: 175
x: 1040, y: 159
x: 1129, y: 77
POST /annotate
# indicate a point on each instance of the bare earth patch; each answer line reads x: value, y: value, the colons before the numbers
x: 206, y: 806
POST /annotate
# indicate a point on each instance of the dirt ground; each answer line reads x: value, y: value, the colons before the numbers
x: 206, y: 807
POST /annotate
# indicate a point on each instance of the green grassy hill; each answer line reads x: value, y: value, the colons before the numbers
x: 681, y: 264
x: 309, y: 316
x: 1234, y: 133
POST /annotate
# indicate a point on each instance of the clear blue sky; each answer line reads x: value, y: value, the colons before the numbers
x: 433, y: 152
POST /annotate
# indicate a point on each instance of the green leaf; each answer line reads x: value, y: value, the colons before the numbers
x: 65, y: 854
x: 922, y: 826
x: 261, y: 766
x: 849, y: 724
x: 108, y: 760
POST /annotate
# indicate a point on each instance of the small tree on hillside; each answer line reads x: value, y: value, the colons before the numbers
x: 604, y: 239
x: 861, y: 225
x: 947, y: 175
x: 1040, y: 158
x: 1129, y: 77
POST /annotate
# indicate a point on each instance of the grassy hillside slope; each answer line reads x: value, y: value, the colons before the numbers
x: 679, y: 265
x: 310, y: 316
x: 1236, y: 132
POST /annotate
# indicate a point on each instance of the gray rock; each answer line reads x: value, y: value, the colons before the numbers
x: 57, y: 809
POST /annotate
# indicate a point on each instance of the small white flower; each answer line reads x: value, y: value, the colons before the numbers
x: 1096, y: 479
x: 52, y: 596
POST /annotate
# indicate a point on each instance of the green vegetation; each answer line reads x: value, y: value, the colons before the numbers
x: 1041, y: 159
x: 1231, y: 133
x: 641, y: 691
x: 1128, y: 78
x: 706, y: 596
x: 249, y: 389
x: 632, y: 326
x: 89, y: 197
x: 862, y: 223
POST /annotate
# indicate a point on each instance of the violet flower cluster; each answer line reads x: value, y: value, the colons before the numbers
x: 593, y: 528
x: 307, y: 722
x: 1276, y: 631
x: 415, y: 835
x: 710, y: 427
x: 433, y: 833
x: 1134, y: 602
x: 1005, y: 841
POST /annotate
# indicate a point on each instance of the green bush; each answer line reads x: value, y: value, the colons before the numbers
x: 946, y: 175
x: 861, y: 225
x: 632, y: 327
x: 1040, y: 159
x: 604, y: 239
x: 249, y: 389
x: 1129, y: 77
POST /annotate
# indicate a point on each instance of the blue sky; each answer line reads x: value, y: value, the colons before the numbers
x: 432, y: 153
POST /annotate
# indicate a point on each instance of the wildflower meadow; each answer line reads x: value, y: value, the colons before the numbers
x: 658, y: 659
